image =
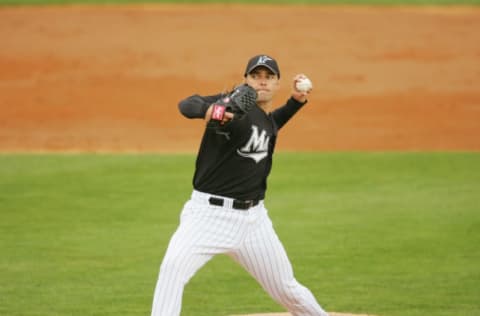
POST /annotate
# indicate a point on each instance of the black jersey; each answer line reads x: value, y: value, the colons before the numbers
x: 235, y: 161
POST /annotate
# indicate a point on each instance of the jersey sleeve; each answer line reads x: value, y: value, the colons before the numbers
x: 196, y: 106
x: 284, y: 113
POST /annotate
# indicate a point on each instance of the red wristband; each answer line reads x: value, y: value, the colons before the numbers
x: 218, y: 112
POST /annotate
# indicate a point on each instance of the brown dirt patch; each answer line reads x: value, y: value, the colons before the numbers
x: 108, y: 78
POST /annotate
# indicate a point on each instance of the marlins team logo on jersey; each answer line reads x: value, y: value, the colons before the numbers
x: 257, y: 146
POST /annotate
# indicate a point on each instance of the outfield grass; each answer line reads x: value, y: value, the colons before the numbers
x: 384, y: 233
x: 329, y: 2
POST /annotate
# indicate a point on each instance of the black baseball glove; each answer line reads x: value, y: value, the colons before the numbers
x: 239, y: 102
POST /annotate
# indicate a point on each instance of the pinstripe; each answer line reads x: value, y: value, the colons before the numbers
x: 272, y: 277
x: 263, y: 255
x: 203, y: 232
x: 180, y: 254
x: 281, y: 262
x: 252, y: 263
x: 246, y: 236
x: 174, y: 273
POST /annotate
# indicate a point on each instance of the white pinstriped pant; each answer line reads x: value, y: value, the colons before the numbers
x: 246, y: 236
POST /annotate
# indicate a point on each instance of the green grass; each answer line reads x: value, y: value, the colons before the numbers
x: 334, y: 2
x: 384, y: 233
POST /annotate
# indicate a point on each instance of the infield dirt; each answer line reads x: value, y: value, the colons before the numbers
x: 108, y: 78
x: 288, y: 314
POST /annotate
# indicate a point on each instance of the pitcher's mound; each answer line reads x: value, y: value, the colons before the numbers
x: 288, y: 314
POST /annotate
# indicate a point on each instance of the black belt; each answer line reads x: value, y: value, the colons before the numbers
x: 237, y: 204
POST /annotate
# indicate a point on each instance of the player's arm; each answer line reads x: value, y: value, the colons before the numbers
x: 220, y: 109
x: 197, y: 106
x: 298, y: 99
x: 284, y: 113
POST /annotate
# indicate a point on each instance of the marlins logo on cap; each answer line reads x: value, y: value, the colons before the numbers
x: 264, y: 61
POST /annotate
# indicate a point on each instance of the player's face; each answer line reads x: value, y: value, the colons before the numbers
x: 265, y: 83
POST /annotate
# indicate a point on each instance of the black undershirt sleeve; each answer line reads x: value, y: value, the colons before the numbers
x: 285, y: 113
x: 196, y: 106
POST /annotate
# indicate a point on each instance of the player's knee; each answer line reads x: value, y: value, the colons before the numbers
x: 290, y: 293
x: 176, y: 266
x: 171, y: 266
x: 285, y: 291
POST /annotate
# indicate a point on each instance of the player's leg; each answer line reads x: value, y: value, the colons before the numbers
x: 204, y: 231
x: 182, y: 259
x: 264, y: 257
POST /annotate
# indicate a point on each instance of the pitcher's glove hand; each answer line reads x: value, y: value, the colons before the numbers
x: 239, y: 102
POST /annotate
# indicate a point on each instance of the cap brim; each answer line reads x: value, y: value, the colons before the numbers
x: 264, y: 65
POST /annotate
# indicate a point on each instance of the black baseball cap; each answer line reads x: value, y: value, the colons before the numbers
x: 264, y: 61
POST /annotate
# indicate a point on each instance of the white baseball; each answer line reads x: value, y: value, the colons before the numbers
x: 304, y: 84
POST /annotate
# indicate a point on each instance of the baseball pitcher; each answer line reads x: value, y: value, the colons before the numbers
x: 226, y: 212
